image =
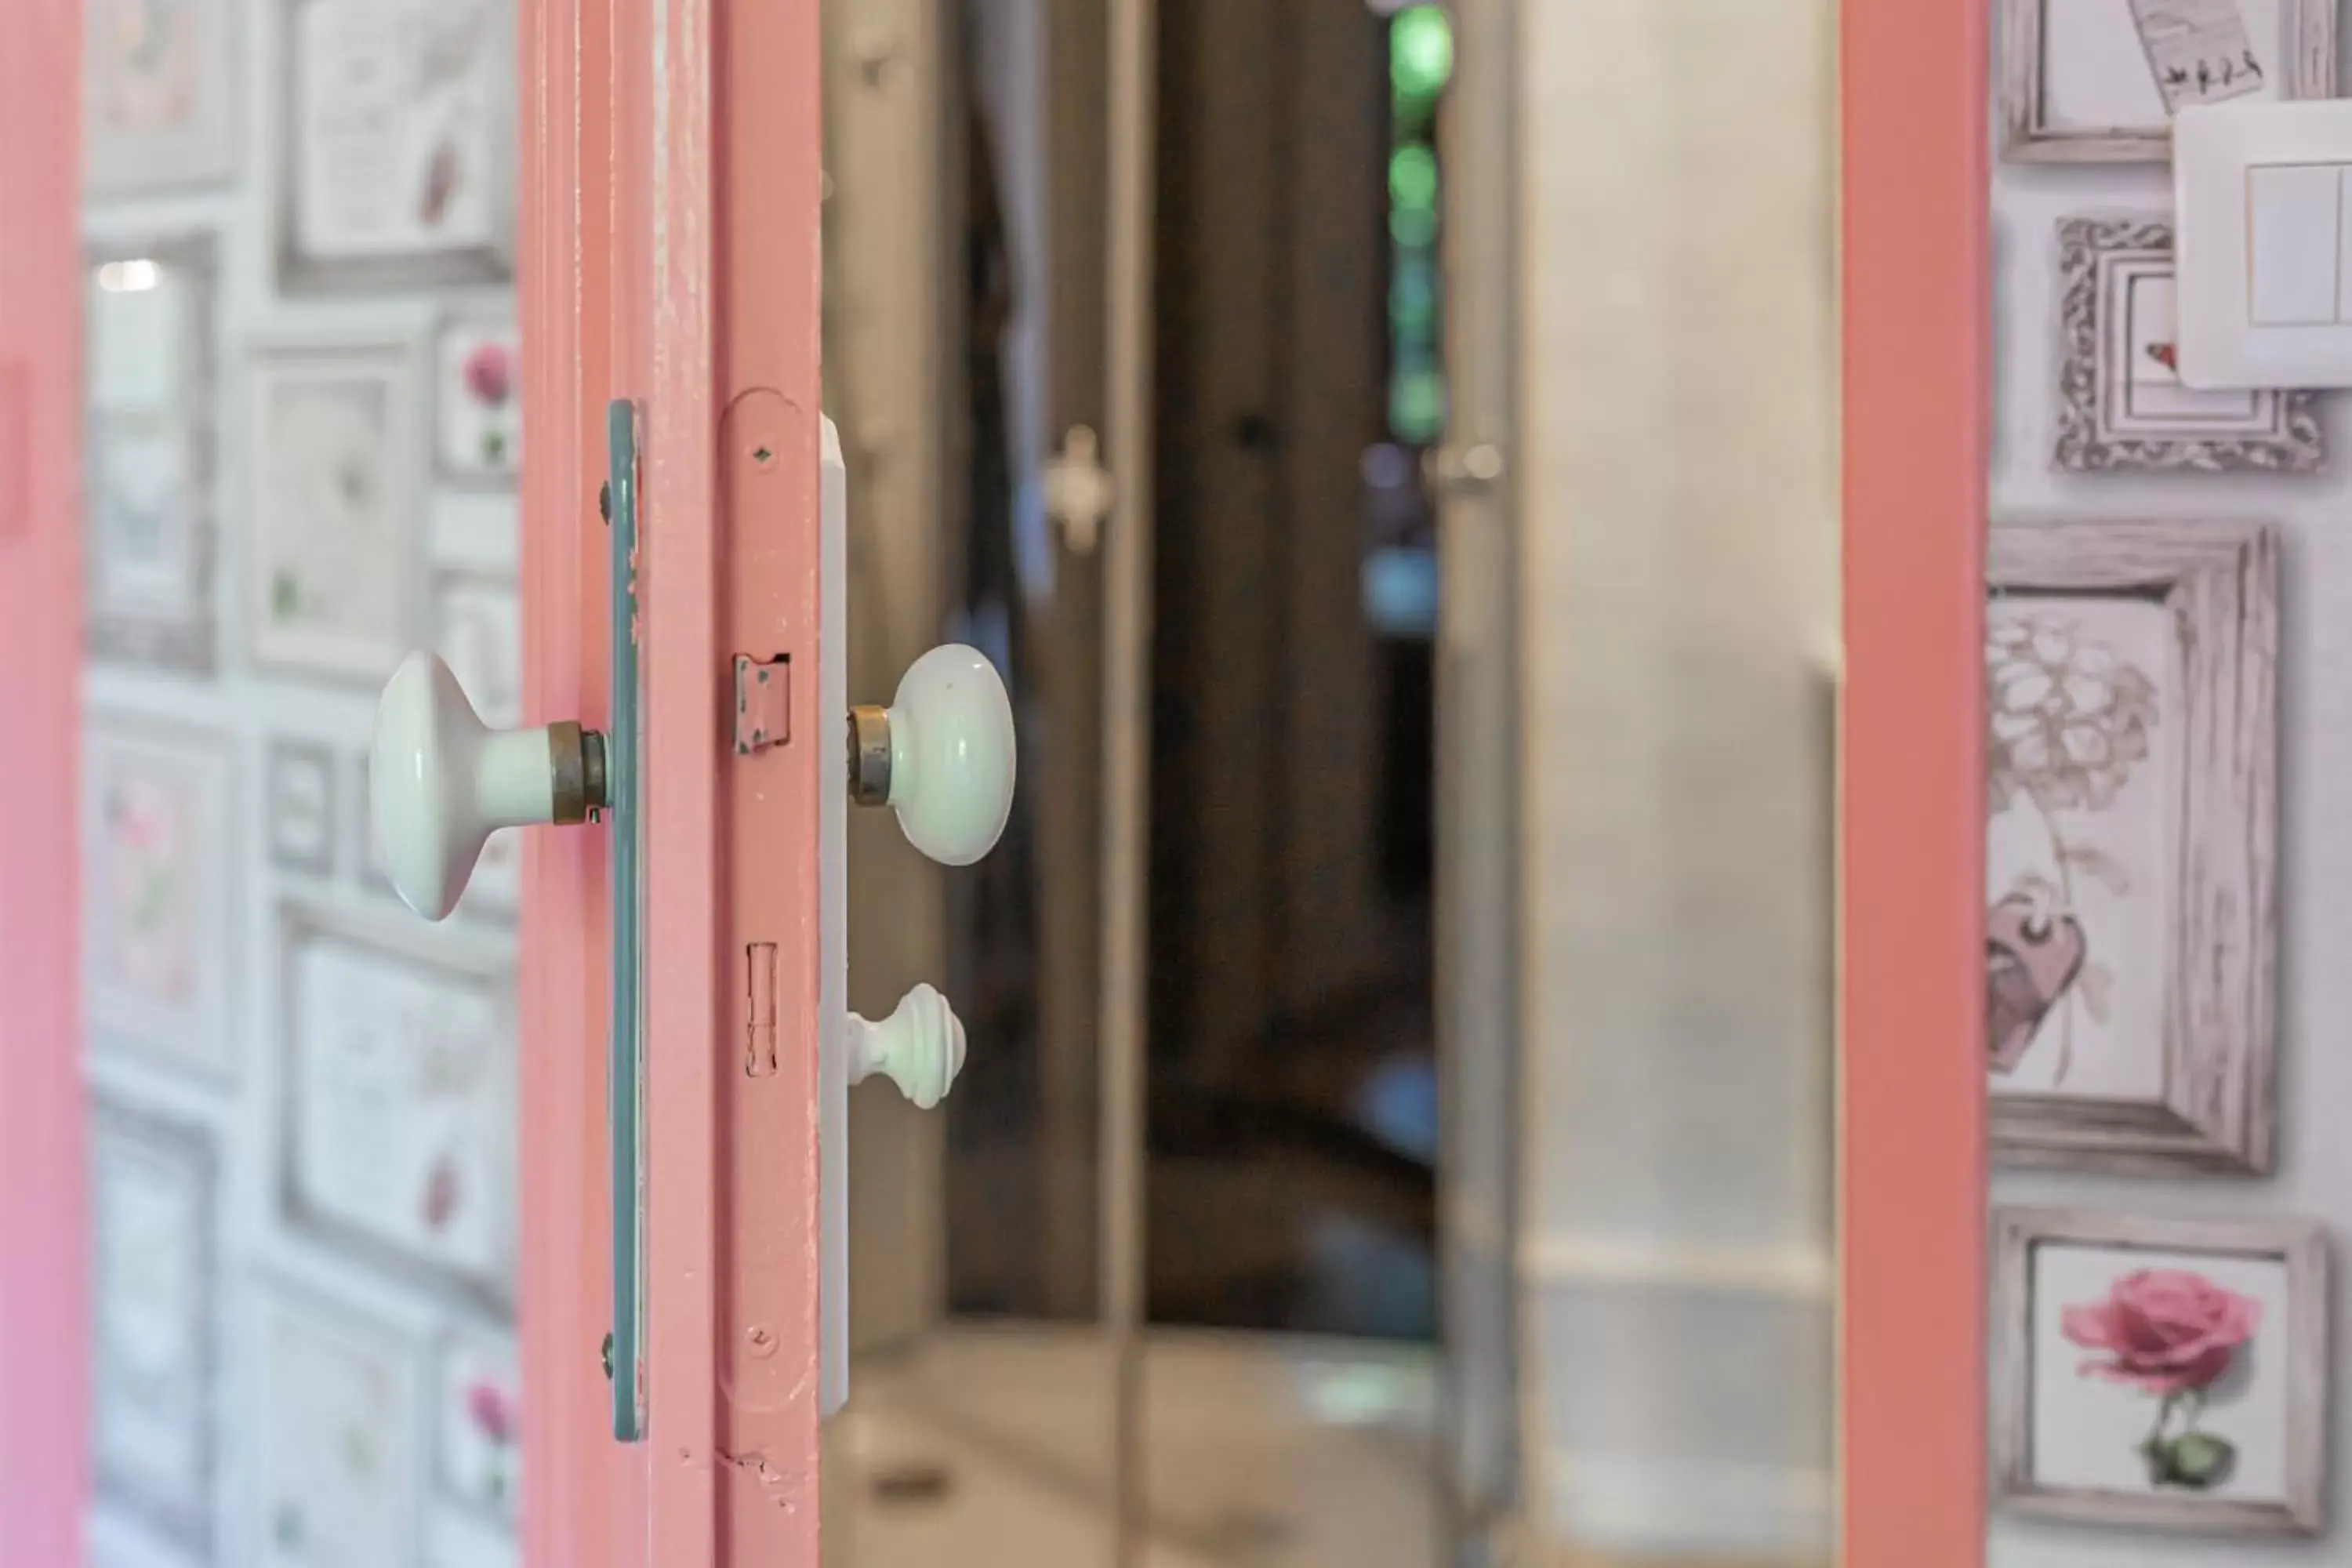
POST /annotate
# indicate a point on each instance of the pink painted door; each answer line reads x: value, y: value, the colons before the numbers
x: 670, y: 260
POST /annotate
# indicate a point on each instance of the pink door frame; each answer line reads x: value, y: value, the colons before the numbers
x: 1913, y: 76
x: 44, y: 1279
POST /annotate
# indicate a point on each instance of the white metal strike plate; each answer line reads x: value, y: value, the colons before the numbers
x: 2263, y: 242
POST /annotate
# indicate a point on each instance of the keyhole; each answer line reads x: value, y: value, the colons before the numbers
x: 762, y: 455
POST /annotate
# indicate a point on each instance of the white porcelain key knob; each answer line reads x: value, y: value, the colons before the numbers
x: 441, y: 782
x: 942, y: 756
x: 919, y: 1046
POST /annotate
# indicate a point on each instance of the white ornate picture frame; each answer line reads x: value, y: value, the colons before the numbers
x: 155, y: 1201
x: 151, y: 452
x: 2132, y: 846
x: 397, y: 1086
x: 158, y: 838
x: 2121, y: 403
x: 159, y: 95
x: 399, y: 168
x: 2077, y: 85
x: 335, y: 577
x: 2093, y: 1424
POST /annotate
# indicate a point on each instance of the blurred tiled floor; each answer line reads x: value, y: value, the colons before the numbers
x: 992, y: 1448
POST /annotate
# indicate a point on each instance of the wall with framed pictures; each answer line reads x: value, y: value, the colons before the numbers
x: 2168, y: 837
x: 303, y: 443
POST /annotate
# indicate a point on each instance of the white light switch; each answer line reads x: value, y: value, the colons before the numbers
x: 2296, y: 231
x: 2263, y: 241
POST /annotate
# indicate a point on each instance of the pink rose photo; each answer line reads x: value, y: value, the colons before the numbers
x: 2172, y: 1334
x: 2161, y: 1373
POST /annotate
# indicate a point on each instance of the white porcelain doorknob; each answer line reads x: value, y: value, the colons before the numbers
x: 919, y: 1046
x: 442, y: 781
x: 942, y: 756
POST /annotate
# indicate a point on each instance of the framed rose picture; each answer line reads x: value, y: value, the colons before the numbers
x: 479, y: 1418
x: 151, y: 452
x: 398, y: 1084
x: 2098, y: 81
x: 399, y: 143
x: 156, y: 851
x: 339, y: 1465
x: 2122, y: 404
x: 153, y: 1219
x: 478, y: 397
x: 2165, y: 1373
x: 2131, y: 846
x: 301, y: 806
x: 159, y: 95
x: 336, y: 574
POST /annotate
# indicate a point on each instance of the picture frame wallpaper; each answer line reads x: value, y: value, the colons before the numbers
x: 400, y: 170
x: 304, y: 832
x: 2122, y: 405
x: 2132, y: 846
x: 302, y: 376
x: 153, y: 1219
x: 477, y: 401
x: 396, y: 1075
x: 339, y: 1472
x: 158, y: 845
x: 479, y: 1425
x: 2167, y: 1374
x: 151, y: 451
x: 2080, y: 84
x: 335, y: 540
x: 159, y: 95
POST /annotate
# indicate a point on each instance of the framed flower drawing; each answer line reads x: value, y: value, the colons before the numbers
x: 2098, y: 81
x: 156, y: 845
x: 477, y: 387
x: 339, y: 1460
x: 159, y: 95
x: 2131, y: 846
x: 336, y: 579
x: 479, y: 1422
x: 151, y: 452
x: 2163, y: 1374
x: 2122, y: 404
x: 154, y: 1205
x: 398, y: 1084
x: 400, y: 149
